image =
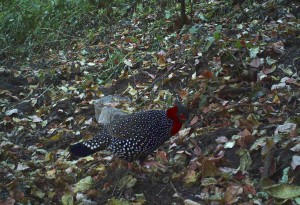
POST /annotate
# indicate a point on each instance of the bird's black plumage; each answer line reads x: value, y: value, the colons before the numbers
x: 132, y: 136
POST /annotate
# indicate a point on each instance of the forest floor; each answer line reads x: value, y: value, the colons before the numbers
x: 239, y: 77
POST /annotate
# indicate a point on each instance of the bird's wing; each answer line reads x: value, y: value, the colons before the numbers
x: 141, y: 123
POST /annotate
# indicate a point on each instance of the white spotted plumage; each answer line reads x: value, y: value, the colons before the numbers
x: 130, y: 137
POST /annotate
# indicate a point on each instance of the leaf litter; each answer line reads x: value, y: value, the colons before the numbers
x: 240, y: 80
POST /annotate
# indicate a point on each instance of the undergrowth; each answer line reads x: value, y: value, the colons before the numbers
x: 29, y: 26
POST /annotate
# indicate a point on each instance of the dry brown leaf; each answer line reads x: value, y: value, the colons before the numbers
x: 279, y: 47
x: 256, y: 63
x: 162, y: 156
x: 8, y: 201
x: 232, y: 194
x: 246, y: 138
x: 248, y: 189
x: 209, y: 167
x: 207, y: 74
x: 194, y: 120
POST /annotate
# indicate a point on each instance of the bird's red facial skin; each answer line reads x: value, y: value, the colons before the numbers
x: 176, y: 127
x: 172, y: 114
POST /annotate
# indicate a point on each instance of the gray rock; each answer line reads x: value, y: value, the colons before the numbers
x: 105, y: 110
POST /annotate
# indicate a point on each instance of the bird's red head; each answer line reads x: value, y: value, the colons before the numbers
x: 179, y: 115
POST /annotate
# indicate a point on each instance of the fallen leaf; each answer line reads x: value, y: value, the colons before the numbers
x: 38, y: 193
x: 296, y: 148
x: 183, y: 93
x: 190, y: 202
x: 67, y: 199
x: 84, y: 184
x: 8, y: 201
x: 269, y: 70
x: 127, y: 62
x: 295, y: 162
x: 209, y: 167
x: 245, y: 160
x: 121, y: 201
x: 191, y: 177
x: 162, y: 155
x: 249, y: 189
x: 284, y: 191
x: 22, y: 167
x: 279, y: 47
x: 35, y: 118
x: 229, y: 144
x: 256, y: 63
x: 222, y: 140
x: 12, y: 111
x: 161, y: 61
x: 293, y: 81
x: 207, y: 74
x: 246, y: 138
x: 276, y: 99
x: 254, y: 51
x: 127, y: 182
x: 194, y: 120
x: 208, y: 181
x: 286, y: 128
x: 231, y: 194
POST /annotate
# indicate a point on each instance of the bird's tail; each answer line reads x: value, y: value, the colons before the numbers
x: 86, y: 148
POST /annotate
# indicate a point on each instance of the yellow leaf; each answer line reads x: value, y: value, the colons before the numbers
x: 161, y: 61
x: 276, y: 99
x: 55, y: 138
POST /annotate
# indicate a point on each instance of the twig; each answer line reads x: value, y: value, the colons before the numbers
x: 48, y: 88
x: 179, y: 195
x: 160, y: 191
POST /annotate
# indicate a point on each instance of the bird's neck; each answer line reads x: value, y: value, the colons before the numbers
x: 172, y: 114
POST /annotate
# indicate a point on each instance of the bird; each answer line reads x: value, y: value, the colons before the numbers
x: 135, y: 136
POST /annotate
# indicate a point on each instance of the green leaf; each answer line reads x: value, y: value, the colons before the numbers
x: 210, y: 41
x: 245, y: 161
x: 229, y: 144
x: 194, y: 29
x: 285, y: 176
x: 191, y: 177
x: 67, y: 199
x: 168, y: 14
x: 284, y: 191
x: 202, y: 17
x: 140, y: 198
x: 270, y: 61
x: 218, y: 29
x: 84, y: 184
x: 127, y: 181
x: 208, y: 181
x: 38, y: 193
x: 114, y: 201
